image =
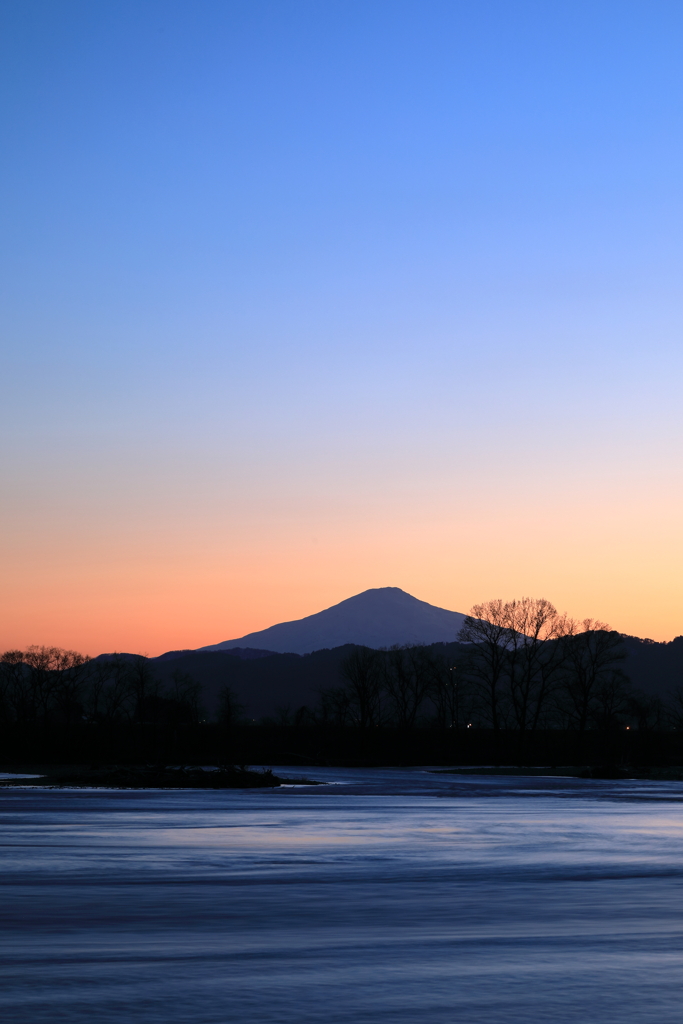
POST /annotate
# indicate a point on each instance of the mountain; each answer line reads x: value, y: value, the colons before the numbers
x: 376, y: 618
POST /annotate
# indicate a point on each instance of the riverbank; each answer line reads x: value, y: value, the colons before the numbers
x: 673, y: 773
x: 150, y: 777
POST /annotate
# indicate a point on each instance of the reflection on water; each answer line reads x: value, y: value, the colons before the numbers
x: 399, y: 896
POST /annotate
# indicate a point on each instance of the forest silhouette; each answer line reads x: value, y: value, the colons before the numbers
x: 521, y: 685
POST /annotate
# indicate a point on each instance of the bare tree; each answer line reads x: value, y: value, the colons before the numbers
x: 44, y: 683
x: 145, y: 688
x: 407, y: 680
x: 649, y: 711
x: 361, y: 670
x: 12, y: 674
x: 447, y: 693
x: 71, y: 670
x: 534, y: 660
x: 487, y: 629
x: 185, y: 692
x: 230, y: 708
x: 335, y: 707
x: 41, y: 662
x: 110, y: 695
x: 674, y: 708
x: 591, y: 653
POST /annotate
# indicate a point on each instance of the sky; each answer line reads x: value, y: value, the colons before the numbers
x: 300, y: 298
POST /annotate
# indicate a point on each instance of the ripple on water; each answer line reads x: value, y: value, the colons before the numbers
x: 394, y: 895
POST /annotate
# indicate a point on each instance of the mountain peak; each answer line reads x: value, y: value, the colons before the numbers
x: 379, y: 617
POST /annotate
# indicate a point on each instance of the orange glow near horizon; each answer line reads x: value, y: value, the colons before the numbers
x: 152, y: 590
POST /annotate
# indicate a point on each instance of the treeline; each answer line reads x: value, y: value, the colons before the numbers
x: 60, y: 707
x: 523, y: 685
x: 48, y: 686
x: 522, y: 667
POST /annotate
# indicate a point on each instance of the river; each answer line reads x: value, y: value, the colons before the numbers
x: 394, y: 896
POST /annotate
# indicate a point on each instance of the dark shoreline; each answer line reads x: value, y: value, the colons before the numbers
x: 673, y: 774
x: 150, y: 777
x: 236, y: 777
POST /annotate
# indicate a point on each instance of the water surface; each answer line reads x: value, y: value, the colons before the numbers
x: 393, y: 896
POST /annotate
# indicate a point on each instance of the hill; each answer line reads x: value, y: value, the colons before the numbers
x: 264, y: 686
x: 267, y: 683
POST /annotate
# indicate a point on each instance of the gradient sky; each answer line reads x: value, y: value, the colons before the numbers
x: 301, y: 298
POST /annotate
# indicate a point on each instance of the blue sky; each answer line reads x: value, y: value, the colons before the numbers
x: 333, y: 266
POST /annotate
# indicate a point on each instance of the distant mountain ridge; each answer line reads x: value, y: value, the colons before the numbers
x: 376, y: 618
x: 245, y: 653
